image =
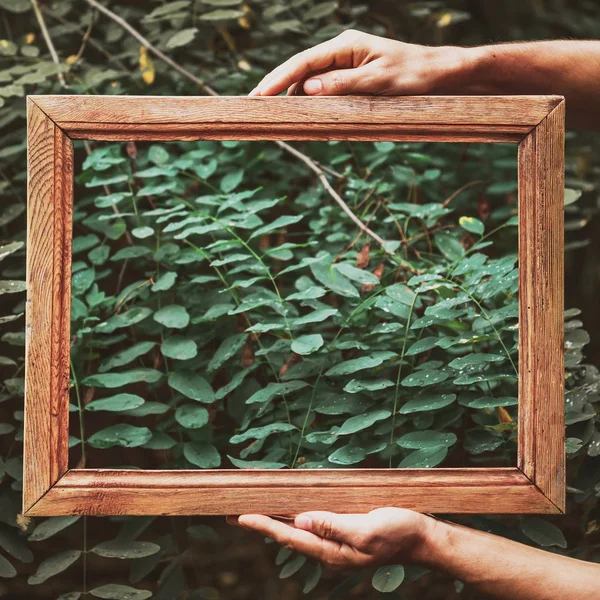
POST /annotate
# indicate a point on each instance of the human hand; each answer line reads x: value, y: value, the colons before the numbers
x: 383, y: 536
x: 355, y: 62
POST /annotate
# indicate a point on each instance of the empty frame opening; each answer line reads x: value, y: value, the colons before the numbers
x: 228, y: 314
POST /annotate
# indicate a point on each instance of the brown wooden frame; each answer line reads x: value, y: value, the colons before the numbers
x: 535, y: 485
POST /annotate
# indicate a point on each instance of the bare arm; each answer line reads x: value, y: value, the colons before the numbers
x: 499, y: 567
x: 360, y: 63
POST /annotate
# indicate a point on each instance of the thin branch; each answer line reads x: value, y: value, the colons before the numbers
x: 211, y: 92
x: 461, y: 189
x: 49, y: 43
x: 84, y: 41
x: 97, y: 45
x: 145, y: 42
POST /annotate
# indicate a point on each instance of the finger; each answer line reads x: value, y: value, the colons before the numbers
x: 347, y: 529
x: 343, y: 81
x: 295, y: 539
x: 293, y: 90
x: 323, y: 56
x: 232, y: 520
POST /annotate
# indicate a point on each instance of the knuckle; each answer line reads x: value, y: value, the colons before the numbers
x: 338, y: 83
x: 326, y: 529
x: 350, y: 34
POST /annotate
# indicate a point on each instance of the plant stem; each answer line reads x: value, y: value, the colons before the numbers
x: 80, y: 407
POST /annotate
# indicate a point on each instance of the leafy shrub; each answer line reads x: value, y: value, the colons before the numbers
x: 231, y: 46
x: 268, y: 315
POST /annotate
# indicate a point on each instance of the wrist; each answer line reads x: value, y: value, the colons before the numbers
x: 457, y: 70
x: 433, y: 534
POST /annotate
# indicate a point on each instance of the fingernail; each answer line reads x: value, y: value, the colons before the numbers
x: 303, y: 522
x: 313, y: 86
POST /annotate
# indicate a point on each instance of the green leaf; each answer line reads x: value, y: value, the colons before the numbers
x: 275, y: 389
x: 419, y: 440
x: 158, y: 154
x: 6, y: 568
x: 278, y: 223
x: 364, y: 421
x: 489, y: 402
x: 179, y: 348
x: 192, y: 386
x: 12, y: 287
x: 542, y: 532
x: 472, y: 225
x: 127, y: 319
x: 388, y: 578
x: 355, y: 385
x: 426, y: 458
x: 173, y: 316
x: 222, y: 15
x: 191, y: 416
x: 311, y: 293
x: 142, y: 232
x: 292, y: 566
x: 126, y: 436
x: 475, y: 359
x: 181, y: 38
x: 228, y: 348
x: 235, y: 382
x: 255, y: 464
x: 202, y: 454
x: 478, y: 441
x: 401, y: 293
x: 50, y: 527
x: 117, y: 403
x: 349, y: 367
x: 325, y: 273
x: 427, y: 402
x: 130, y: 252
x: 114, y: 591
x: 449, y: 246
x: 114, y: 380
x: 424, y: 377
x: 423, y: 345
x: 165, y: 282
x: 53, y: 566
x: 357, y: 275
x: 125, y: 549
x: 126, y: 356
x: 307, y: 344
x: 317, y: 316
x: 260, y: 433
x: 231, y: 180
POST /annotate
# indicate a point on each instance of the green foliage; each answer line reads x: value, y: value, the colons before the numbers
x: 227, y: 315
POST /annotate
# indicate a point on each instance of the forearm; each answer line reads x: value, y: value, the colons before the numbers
x: 505, y: 569
x: 567, y: 68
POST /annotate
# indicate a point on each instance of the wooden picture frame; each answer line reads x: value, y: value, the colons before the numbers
x: 535, y: 485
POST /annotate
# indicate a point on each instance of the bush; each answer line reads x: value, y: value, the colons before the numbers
x: 210, y: 274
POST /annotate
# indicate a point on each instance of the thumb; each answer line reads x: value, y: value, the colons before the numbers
x: 330, y: 526
x: 342, y: 81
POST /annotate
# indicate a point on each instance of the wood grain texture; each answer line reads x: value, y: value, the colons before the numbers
x: 298, y: 110
x: 44, y: 427
x: 265, y: 478
x: 353, y: 132
x: 61, y: 303
x: 116, y: 492
x: 541, y: 305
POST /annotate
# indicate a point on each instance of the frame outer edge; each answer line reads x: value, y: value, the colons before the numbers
x: 37, y: 470
x: 44, y: 469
